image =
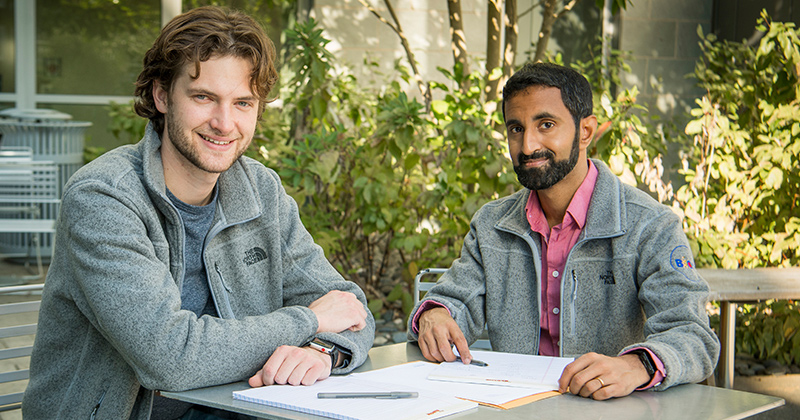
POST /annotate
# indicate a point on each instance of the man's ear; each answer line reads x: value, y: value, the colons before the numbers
x: 588, y: 130
x: 160, y: 97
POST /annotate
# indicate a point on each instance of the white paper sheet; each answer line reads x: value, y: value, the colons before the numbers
x: 505, y: 369
x: 429, y: 405
x: 415, y: 375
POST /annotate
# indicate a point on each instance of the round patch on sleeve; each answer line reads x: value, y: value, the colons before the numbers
x: 681, y: 260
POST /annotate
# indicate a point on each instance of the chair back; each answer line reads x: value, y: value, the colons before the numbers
x: 421, y: 287
x: 28, y: 188
x: 24, y: 185
x: 19, y: 311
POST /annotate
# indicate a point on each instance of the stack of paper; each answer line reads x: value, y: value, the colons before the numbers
x: 429, y: 404
x: 416, y: 375
x: 509, y: 380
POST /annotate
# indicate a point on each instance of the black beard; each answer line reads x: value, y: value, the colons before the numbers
x: 546, y: 176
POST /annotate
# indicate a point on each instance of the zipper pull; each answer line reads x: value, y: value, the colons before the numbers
x: 221, y: 278
x: 97, y: 407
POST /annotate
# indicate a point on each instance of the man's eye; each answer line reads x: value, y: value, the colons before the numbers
x: 244, y: 104
x: 515, y: 129
x: 548, y: 124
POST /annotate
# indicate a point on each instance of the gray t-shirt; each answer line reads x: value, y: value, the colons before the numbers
x: 197, y: 220
x: 195, y: 294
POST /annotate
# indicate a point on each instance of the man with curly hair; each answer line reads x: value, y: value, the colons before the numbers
x: 179, y: 263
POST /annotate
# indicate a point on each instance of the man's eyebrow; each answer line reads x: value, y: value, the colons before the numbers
x: 540, y: 116
x: 544, y: 115
x: 201, y: 91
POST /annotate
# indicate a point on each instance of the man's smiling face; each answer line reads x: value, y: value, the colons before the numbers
x: 543, y: 139
x: 209, y: 120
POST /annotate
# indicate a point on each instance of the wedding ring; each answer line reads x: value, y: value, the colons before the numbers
x: 602, y: 384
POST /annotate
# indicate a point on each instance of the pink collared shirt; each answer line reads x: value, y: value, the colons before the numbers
x: 556, y: 244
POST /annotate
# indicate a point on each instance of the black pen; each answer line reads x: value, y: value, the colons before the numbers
x: 473, y: 362
x: 380, y: 395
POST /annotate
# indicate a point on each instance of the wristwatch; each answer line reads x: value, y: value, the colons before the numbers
x: 644, y: 357
x: 324, y: 346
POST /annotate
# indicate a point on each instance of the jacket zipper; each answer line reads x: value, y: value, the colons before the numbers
x: 221, y: 278
x: 97, y: 407
x: 573, y: 299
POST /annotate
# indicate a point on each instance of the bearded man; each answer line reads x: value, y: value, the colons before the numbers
x: 576, y: 264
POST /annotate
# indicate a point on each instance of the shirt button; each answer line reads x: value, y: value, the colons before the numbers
x: 555, y: 273
x: 556, y: 311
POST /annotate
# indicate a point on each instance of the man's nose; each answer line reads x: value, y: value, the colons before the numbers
x: 222, y: 120
x: 530, y: 143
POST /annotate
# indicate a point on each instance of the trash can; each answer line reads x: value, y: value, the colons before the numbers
x: 52, y: 136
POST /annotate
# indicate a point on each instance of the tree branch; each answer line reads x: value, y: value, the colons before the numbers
x: 423, y: 87
x: 567, y: 8
x: 458, y: 42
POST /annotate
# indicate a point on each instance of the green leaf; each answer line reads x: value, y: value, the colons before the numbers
x: 774, y: 179
x: 396, y: 293
x: 375, y: 306
x: 411, y: 161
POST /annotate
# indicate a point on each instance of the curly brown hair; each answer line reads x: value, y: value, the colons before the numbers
x: 197, y: 36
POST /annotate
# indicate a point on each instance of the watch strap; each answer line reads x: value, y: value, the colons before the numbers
x: 647, y: 362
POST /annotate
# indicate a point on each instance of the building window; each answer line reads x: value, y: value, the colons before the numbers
x: 92, y: 47
x: 7, y: 62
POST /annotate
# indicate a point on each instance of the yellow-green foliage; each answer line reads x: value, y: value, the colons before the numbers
x: 742, y: 197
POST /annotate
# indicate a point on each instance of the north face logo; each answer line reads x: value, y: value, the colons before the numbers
x: 608, y: 278
x: 254, y: 255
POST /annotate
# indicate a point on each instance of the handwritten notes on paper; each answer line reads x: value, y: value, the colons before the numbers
x: 505, y: 369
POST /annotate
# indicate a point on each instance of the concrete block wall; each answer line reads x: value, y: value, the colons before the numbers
x: 662, y: 37
x: 355, y: 32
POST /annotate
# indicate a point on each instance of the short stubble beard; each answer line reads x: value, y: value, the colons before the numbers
x: 184, y: 146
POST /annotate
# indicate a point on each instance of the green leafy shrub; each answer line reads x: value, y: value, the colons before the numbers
x: 770, y: 330
x: 742, y: 197
x: 741, y: 200
x: 383, y: 185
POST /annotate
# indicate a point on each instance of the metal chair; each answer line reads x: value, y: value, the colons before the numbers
x: 421, y: 287
x: 19, y: 321
x: 25, y: 186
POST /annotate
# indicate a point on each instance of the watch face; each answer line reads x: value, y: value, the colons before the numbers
x: 321, y: 345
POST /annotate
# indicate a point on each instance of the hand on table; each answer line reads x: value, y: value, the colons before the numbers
x: 338, y: 311
x: 294, y: 366
x: 602, y: 377
x: 438, y: 332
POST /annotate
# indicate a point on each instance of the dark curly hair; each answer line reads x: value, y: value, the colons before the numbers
x: 197, y: 36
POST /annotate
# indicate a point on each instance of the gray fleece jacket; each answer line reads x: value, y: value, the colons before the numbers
x: 111, y: 328
x: 629, y: 281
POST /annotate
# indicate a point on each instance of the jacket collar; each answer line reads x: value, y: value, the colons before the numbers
x: 238, y: 199
x: 606, y: 216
